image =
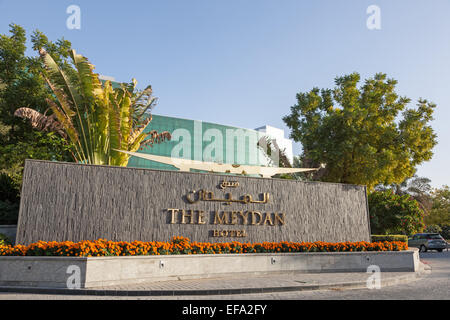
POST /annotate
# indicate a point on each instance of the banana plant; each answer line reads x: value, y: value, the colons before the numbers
x: 95, y: 117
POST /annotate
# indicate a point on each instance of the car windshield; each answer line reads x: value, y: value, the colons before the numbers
x: 434, y: 236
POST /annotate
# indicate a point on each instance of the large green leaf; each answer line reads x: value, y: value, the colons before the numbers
x: 98, y: 118
x: 66, y: 92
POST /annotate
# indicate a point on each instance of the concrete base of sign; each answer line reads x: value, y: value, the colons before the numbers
x: 62, y: 272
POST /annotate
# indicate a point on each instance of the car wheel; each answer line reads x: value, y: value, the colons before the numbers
x: 422, y: 248
x: 439, y: 250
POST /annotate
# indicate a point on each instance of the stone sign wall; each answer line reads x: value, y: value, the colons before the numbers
x: 66, y: 201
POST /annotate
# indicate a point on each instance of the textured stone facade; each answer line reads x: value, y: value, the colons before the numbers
x: 66, y: 201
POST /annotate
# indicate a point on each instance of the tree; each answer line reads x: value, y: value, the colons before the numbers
x: 418, y: 188
x: 440, y: 211
x: 98, y: 119
x: 364, y: 135
x: 21, y: 76
x: 22, y: 85
x: 394, y: 214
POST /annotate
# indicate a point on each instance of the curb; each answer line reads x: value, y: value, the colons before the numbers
x: 201, y: 292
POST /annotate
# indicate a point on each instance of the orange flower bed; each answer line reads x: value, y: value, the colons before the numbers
x: 182, y: 245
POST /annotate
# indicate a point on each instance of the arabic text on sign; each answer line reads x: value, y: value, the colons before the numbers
x: 203, y: 195
x: 231, y: 184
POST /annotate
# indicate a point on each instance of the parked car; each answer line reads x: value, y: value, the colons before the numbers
x: 427, y: 241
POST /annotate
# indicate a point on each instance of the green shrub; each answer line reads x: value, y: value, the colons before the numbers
x: 442, y: 229
x: 394, y: 214
x: 9, y: 199
x: 389, y: 237
x: 445, y: 233
x: 9, y: 212
x: 4, y: 240
x: 9, y: 189
x: 433, y: 228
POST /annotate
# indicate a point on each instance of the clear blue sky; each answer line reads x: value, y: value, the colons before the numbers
x: 242, y: 62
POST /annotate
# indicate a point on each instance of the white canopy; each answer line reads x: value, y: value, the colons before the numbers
x: 186, y: 165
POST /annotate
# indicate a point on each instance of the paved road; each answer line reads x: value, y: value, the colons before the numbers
x: 432, y: 286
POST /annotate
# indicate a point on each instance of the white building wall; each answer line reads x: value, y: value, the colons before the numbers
x: 278, y: 135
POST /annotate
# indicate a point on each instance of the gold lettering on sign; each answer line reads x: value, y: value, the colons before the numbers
x: 203, y: 195
x: 244, y: 216
x: 189, y: 199
x: 201, y: 217
x: 229, y: 233
x: 280, y: 218
x: 268, y: 220
x: 185, y: 215
x: 227, y: 217
x: 173, y: 211
x: 254, y: 214
x: 230, y: 184
x: 221, y: 219
x: 234, y: 217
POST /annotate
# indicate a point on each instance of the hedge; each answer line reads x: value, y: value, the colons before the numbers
x: 389, y: 237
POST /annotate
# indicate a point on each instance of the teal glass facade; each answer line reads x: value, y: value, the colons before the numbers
x: 203, y: 141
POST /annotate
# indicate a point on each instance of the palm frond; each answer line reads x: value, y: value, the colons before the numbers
x: 67, y: 125
x: 96, y: 118
x: 143, y: 103
x: 67, y: 94
x: 156, y: 137
x: 89, y: 83
x: 41, y: 122
x: 139, y: 130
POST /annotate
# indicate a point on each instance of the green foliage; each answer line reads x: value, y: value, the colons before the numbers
x: 96, y: 118
x: 364, y: 135
x: 33, y: 145
x: 9, y: 199
x: 21, y: 76
x: 445, y: 233
x: 389, y: 237
x: 443, y: 230
x: 9, y: 189
x: 285, y: 176
x: 394, y: 214
x: 433, y: 228
x: 9, y: 212
x: 440, y: 210
x: 419, y: 188
x: 4, y: 240
x: 22, y: 85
